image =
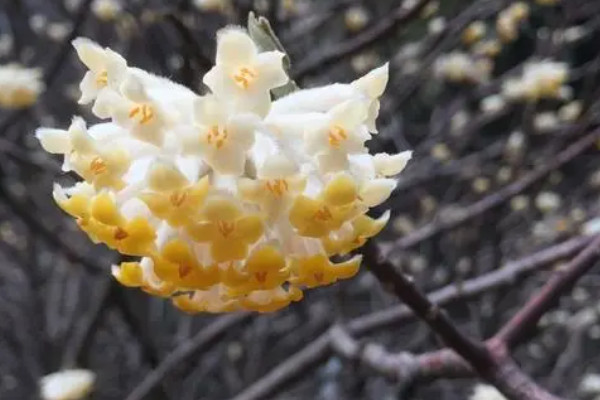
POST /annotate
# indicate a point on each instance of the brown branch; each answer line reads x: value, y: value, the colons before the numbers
x: 500, y: 197
x: 319, y: 349
x: 492, y: 362
x: 386, y: 27
x: 403, y: 367
x: 406, y: 290
x: 204, y: 338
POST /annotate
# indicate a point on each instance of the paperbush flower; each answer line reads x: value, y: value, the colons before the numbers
x: 231, y: 201
x: 19, y: 86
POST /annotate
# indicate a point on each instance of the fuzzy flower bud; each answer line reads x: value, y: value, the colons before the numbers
x: 231, y: 201
x: 19, y: 86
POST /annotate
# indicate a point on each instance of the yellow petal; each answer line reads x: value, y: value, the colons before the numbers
x: 129, y: 274
x: 105, y: 210
x: 340, y: 191
x: 203, y: 231
x: 249, y: 228
x: 228, y: 250
x: 220, y: 209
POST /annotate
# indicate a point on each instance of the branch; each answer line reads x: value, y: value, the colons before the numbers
x: 319, y: 349
x: 403, y: 367
x: 204, y: 338
x: 561, y: 282
x: 404, y: 288
x: 500, y: 197
x: 491, y: 362
x: 385, y: 28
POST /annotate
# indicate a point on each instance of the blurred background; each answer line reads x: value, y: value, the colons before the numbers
x: 499, y: 101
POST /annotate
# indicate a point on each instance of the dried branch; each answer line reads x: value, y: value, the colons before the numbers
x: 319, y: 349
x: 187, y: 349
x: 561, y: 282
x: 384, y: 28
x: 492, y: 364
x: 500, y: 197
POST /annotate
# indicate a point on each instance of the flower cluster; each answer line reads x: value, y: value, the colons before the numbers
x: 231, y: 201
x: 19, y: 86
x: 539, y: 80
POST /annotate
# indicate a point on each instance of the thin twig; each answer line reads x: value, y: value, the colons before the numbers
x: 385, y: 28
x: 187, y: 349
x: 500, y: 197
x: 319, y: 349
x: 562, y: 281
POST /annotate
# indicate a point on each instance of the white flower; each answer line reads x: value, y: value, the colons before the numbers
x: 486, y: 392
x: 228, y: 201
x: 539, y: 80
x: 342, y: 132
x: 244, y: 74
x: 19, y: 86
x: 74, y: 384
x: 106, y: 10
x: 106, y: 68
x: 221, y: 138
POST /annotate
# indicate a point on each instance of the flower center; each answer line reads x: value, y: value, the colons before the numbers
x: 102, y: 79
x: 226, y: 228
x: 244, y: 77
x: 323, y: 214
x: 178, y: 197
x: 277, y: 187
x: 98, y: 166
x: 120, y: 233
x: 337, y: 135
x: 217, y: 137
x: 142, y: 112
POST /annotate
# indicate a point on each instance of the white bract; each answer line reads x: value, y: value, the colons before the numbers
x: 231, y: 201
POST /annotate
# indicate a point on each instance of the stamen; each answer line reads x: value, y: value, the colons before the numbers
x: 261, y: 276
x: 102, y: 79
x: 144, y: 111
x: 184, y: 270
x: 277, y: 186
x: 337, y: 134
x: 324, y: 214
x: 120, y: 233
x: 98, y: 166
x: 216, y: 136
x: 178, y: 197
x: 226, y: 228
x: 244, y: 77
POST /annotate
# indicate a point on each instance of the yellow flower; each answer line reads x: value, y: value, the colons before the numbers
x: 337, y: 203
x: 177, y: 264
x: 271, y: 300
x: 226, y: 228
x: 363, y: 228
x: 172, y: 198
x: 318, y: 270
x: 264, y: 269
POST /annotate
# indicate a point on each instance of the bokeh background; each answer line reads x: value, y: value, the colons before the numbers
x: 476, y: 153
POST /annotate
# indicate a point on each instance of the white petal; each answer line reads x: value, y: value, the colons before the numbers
x: 55, y: 141
x: 373, y: 84
x: 277, y: 167
x: 241, y: 130
x: 389, y: 165
x: 234, y: 47
x: 334, y: 161
x: 88, y: 87
x: 67, y: 385
x: 320, y: 99
x: 377, y: 191
x: 270, y: 70
x: 90, y: 53
x: 349, y: 114
x: 133, y: 89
